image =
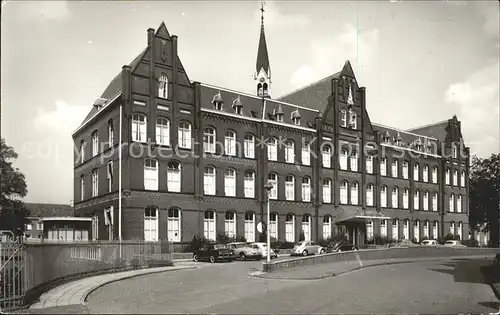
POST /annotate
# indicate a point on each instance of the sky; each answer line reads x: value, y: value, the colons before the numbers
x: 421, y: 62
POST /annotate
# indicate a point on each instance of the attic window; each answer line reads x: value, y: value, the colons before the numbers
x: 238, y: 106
x: 296, y: 120
x: 217, y: 102
x: 295, y: 116
x: 98, y: 104
x: 279, y: 117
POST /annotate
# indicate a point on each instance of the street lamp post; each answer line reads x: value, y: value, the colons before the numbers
x: 268, y: 186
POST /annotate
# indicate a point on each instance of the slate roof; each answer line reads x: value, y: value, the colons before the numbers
x: 49, y: 210
x: 409, y: 139
x: 436, y: 130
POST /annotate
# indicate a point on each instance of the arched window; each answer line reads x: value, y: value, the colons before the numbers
x: 369, y: 195
x: 383, y: 197
x: 230, y: 143
x: 327, y: 156
x: 150, y: 174
x: 462, y: 179
x: 405, y: 170
x: 459, y: 203
x: 230, y: 224
x: 451, y: 203
x: 184, y: 135
x: 209, y: 137
x: 435, y: 174
x: 435, y: 230
x: 306, y: 154
x: 174, y: 176
x: 174, y: 225
x: 343, y: 159
x: 383, y: 167
x: 406, y: 192
x: 209, y: 229
x: 434, y: 201
x: 163, y: 86
x: 260, y: 92
x: 306, y: 227
x: 426, y: 229
x: 250, y: 226
x: 272, y: 149
x: 327, y: 227
x: 454, y: 151
x: 273, y: 179
x: 95, y: 183
x: 354, y: 193
x: 289, y: 152
x: 249, y: 184
x: 455, y: 178
x: 395, y: 197
x: 395, y: 229
x: 459, y: 230
x: 82, y: 187
x: 354, y: 161
x: 162, y: 131
x: 369, y: 164
x: 406, y: 229
x: 266, y: 89
x: 306, y: 189
x: 110, y: 133
x: 343, y: 192
x: 416, y: 230
x: 447, y: 176
x: 353, y: 123
x: 290, y: 228
x: 327, y: 190
x: 289, y: 187
x: 394, y: 168
x: 95, y: 143
x: 150, y: 224
x: 426, y: 200
x: 230, y: 182
x: 273, y: 225
x: 82, y: 151
x: 425, y: 173
x: 383, y: 228
x: 249, y: 146
x: 209, y: 181
x: 343, y: 118
x: 416, y: 200
x: 452, y: 228
x: 369, y: 230
x: 139, y: 123
x: 416, y: 172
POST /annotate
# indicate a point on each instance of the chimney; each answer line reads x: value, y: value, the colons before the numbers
x: 151, y: 35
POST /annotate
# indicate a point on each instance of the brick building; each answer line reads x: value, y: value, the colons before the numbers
x: 196, y: 158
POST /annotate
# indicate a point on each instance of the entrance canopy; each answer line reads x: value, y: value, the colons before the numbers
x: 362, y: 218
x: 358, y: 215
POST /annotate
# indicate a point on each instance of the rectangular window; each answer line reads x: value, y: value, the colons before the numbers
x: 82, y: 187
x: 425, y: 174
x: 395, y: 229
x: 447, y: 177
x: 383, y: 228
x: 110, y: 176
x: 383, y: 167
x: 249, y: 146
x: 343, y: 160
x: 383, y: 197
x: 250, y: 227
x: 394, y: 199
x: 209, y: 181
x: 290, y: 229
x: 174, y: 225
x: 230, y: 224
x: 455, y: 178
x: 95, y: 143
x: 230, y: 183
x: 150, y: 174
x: 289, y: 188
x: 405, y: 199
x: 369, y: 230
x: 369, y: 165
x: 272, y: 150
x: 343, y: 193
x: 162, y: 131
x: 354, y: 162
x: 150, y: 224
x: 95, y: 183
x: 306, y: 189
x: 327, y: 227
x: 209, y: 225
x: 405, y: 170
x: 174, y: 177
x: 435, y: 202
x: 184, y: 135
x: 230, y: 143
x: 434, y: 175
x: 394, y: 169
x: 327, y: 191
x: 273, y: 225
x: 306, y: 155
x: 289, y: 152
x: 249, y: 185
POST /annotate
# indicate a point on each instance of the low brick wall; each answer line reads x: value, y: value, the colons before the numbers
x: 374, y: 254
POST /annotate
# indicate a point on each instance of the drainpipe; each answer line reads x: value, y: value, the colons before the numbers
x: 120, y: 183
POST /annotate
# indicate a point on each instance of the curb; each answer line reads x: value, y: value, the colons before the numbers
x: 262, y: 274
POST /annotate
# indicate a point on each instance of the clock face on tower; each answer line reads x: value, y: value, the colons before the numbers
x: 262, y: 79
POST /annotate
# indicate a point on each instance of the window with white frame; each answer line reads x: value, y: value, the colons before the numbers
x: 343, y: 159
x: 209, y: 225
x: 425, y: 173
x: 447, y: 176
x: 354, y: 193
x: 383, y: 196
x: 95, y: 227
x: 395, y: 199
x: 416, y: 172
x: 327, y: 227
x: 435, y: 174
x: 383, y: 167
x: 452, y: 228
x: 110, y: 133
x: 95, y: 143
x: 426, y: 229
x: 163, y: 86
x: 451, y: 203
x: 290, y: 228
x: 353, y: 121
x: 273, y: 180
x: 184, y: 135
x: 455, y: 178
x: 383, y: 228
x: 209, y: 136
x: 435, y: 229
x: 150, y: 174
x: 174, y: 225
x: 250, y: 226
x: 343, y: 118
x: 459, y: 203
x: 416, y: 230
x: 395, y: 229
x: 454, y: 151
x: 306, y: 154
x: 289, y: 187
x: 174, y: 176
x: 327, y: 190
x: 306, y: 227
x: 82, y: 187
x: 139, y: 123
x: 354, y: 161
x: 406, y: 229
x: 249, y: 146
x: 230, y: 224
x: 462, y: 179
x: 272, y: 149
x: 162, y: 131
x: 306, y: 189
x: 209, y: 181
x: 459, y: 230
x: 230, y: 182
x: 327, y: 156
x: 434, y: 202
x: 95, y: 183
x: 369, y: 195
x: 369, y: 230
x: 369, y: 164
x: 82, y: 151
x: 150, y: 224
x: 394, y: 168
x: 426, y: 201
x: 273, y: 225
x: 343, y: 192
x: 405, y: 170
x: 416, y: 200
x: 405, y: 198
x: 289, y: 152
x: 109, y: 176
x: 230, y: 143
x: 249, y: 184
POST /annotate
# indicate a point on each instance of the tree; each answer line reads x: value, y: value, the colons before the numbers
x: 484, y: 195
x: 13, y: 212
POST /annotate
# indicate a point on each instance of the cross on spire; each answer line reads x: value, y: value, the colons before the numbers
x: 262, y: 13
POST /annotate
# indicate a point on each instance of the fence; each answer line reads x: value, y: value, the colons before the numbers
x: 43, y: 265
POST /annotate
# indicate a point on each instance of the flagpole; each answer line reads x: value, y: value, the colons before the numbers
x: 120, y: 183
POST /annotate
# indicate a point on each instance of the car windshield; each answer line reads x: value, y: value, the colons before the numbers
x: 449, y: 242
x: 299, y: 244
x: 219, y: 246
x: 240, y: 245
x: 425, y: 242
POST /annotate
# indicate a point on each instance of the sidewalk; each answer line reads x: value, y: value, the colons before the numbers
x: 321, y: 271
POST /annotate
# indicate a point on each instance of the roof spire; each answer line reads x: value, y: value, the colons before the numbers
x: 262, y: 14
x: 262, y: 56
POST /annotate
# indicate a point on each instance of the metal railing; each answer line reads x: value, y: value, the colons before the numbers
x: 12, y: 268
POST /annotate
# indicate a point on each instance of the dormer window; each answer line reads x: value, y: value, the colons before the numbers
x: 278, y: 113
x: 217, y: 102
x: 296, y: 117
x: 454, y: 151
x: 238, y: 106
x: 398, y: 140
x: 418, y: 144
x: 386, y: 137
x: 296, y: 120
x: 279, y: 117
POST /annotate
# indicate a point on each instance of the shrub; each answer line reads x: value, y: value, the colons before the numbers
x: 196, y: 243
x: 240, y: 238
x: 224, y: 238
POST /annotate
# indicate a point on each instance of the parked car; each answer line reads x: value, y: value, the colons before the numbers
x: 332, y: 247
x: 305, y: 248
x: 213, y: 253
x: 347, y: 248
x: 245, y: 251
x: 452, y: 243
x: 263, y: 249
x: 404, y: 243
x: 429, y: 243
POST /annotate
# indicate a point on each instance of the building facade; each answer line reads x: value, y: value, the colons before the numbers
x: 195, y: 159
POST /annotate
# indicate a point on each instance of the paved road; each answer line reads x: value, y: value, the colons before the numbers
x: 431, y: 287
